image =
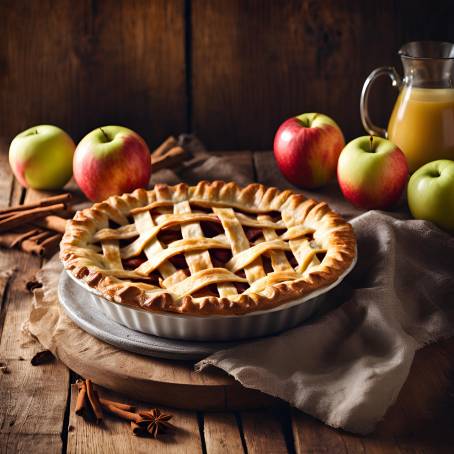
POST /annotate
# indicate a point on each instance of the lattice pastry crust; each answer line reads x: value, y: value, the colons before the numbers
x: 214, y: 248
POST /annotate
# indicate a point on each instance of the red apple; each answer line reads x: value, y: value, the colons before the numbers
x: 372, y: 172
x: 307, y: 148
x: 110, y: 161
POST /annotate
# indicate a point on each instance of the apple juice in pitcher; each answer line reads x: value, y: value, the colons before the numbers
x: 422, y: 121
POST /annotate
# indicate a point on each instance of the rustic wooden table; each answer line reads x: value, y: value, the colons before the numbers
x: 36, y: 403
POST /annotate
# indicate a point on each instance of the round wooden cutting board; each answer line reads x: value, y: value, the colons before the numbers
x: 173, y: 383
x: 165, y: 382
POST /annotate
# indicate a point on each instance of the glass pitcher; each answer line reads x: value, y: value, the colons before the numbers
x: 422, y: 122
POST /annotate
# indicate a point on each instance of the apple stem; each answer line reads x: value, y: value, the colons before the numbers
x: 371, y: 144
x: 105, y: 135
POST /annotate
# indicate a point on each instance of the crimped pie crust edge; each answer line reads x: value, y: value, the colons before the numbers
x: 330, y: 229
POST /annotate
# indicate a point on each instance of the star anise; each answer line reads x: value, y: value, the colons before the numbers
x: 153, y: 422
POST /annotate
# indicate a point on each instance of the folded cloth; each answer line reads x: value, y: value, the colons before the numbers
x: 347, y: 367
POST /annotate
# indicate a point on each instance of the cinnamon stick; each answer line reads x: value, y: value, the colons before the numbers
x: 136, y: 429
x: 40, y: 236
x: 18, y: 235
x: 31, y: 240
x: 52, y: 222
x: 23, y: 236
x: 81, y: 397
x: 7, y: 239
x: 4, y: 216
x: 94, y: 402
x: 123, y: 414
x: 42, y: 244
x: 168, y: 154
x: 169, y: 159
x: 61, y: 198
x: 28, y: 215
x: 106, y: 402
x: 169, y: 143
x: 50, y: 244
x: 31, y: 247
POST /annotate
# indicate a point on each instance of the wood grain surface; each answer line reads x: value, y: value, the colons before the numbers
x: 36, y: 403
x: 84, y: 64
x: 222, y: 433
x: 230, y: 70
x: 274, y: 60
x: 265, y: 431
x: 255, y: 63
x: 32, y: 399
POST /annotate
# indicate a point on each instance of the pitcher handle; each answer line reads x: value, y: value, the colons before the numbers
x: 370, y: 127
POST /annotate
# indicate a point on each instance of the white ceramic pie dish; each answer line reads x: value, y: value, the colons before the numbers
x: 212, y: 327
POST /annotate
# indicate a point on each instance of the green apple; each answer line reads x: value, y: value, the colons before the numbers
x: 42, y: 157
x: 372, y: 172
x: 430, y: 193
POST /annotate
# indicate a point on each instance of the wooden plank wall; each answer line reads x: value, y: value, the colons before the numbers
x: 230, y: 70
x: 81, y: 64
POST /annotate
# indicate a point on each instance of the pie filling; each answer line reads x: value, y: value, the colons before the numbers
x: 204, y: 248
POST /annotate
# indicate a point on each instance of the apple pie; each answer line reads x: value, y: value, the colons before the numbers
x: 213, y: 248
